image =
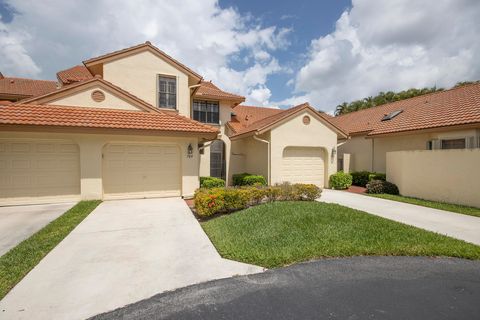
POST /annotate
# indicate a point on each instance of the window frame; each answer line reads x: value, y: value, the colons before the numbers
x: 170, y: 77
x: 206, y: 112
x: 453, y: 139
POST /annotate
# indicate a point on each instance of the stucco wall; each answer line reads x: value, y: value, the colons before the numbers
x: 138, y: 74
x: 84, y: 99
x: 91, y: 146
x: 256, y: 155
x: 363, y: 158
x: 442, y: 175
x: 295, y: 133
x: 360, y: 150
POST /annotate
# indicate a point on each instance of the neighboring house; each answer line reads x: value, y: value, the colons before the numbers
x: 447, y: 119
x: 138, y: 123
x: 15, y: 89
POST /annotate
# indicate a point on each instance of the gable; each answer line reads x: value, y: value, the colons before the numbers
x: 95, y: 96
x: 93, y: 93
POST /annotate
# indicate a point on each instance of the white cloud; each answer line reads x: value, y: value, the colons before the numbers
x: 47, y: 36
x: 391, y: 45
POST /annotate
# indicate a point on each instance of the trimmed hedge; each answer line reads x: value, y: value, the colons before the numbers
x: 248, y: 179
x: 381, y: 186
x: 211, y: 182
x: 209, y: 202
x: 360, y: 178
x: 377, y: 176
x: 340, y: 180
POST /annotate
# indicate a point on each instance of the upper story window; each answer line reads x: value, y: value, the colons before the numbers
x: 167, y: 92
x: 454, y: 144
x: 206, y: 111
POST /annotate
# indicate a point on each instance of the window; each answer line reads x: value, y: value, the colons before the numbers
x: 206, y: 111
x: 454, y: 144
x: 217, y: 159
x: 391, y: 115
x: 167, y: 92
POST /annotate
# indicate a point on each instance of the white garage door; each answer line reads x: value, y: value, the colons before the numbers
x: 36, y: 171
x: 141, y: 171
x: 303, y: 165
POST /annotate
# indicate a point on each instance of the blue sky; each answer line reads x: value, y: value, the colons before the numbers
x: 275, y: 53
x: 308, y: 20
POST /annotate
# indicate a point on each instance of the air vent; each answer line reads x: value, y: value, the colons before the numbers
x: 391, y: 115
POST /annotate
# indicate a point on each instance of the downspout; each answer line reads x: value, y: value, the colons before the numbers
x: 268, y: 157
x: 373, y: 154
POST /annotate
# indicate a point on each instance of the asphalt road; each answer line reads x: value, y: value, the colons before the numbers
x: 351, y: 288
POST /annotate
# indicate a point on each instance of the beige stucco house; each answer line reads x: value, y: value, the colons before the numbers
x: 137, y: 123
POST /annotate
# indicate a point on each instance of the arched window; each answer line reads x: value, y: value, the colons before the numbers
x: 217, y: 159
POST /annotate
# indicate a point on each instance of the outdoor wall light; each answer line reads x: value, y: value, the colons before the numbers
x: 334, y: 153
x: 189, y: 151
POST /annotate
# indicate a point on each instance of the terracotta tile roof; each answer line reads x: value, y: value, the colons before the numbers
x: 258, y: 118
x: 208, y: 90
x: 457, y: 106
x: 23, y: 88
x: 147, y: 44
x: 74, y: 74
x: 66, y: 116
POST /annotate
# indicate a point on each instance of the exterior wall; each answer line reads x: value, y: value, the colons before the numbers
x: 295, y: 133
x: 370, y: 153
x: 360, y: 150
x: 91, y: 146
x: 383, y: 145
x: 237, y: 158
x: 84, y: 99
x: 256, y: 155
x: 138, y: 74
x: 440, y: 175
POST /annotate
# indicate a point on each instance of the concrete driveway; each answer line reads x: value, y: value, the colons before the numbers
x: 455, y: 225
x: 124, y: 251
x: 17, y: 223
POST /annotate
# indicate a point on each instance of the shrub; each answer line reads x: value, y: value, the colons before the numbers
x: 211, y: 182
x: 340, y: 180
x: 381, y: 186
x: 377, y: 176
x: 224, y: 200
x: 360, y: 178
x: 247, y: 179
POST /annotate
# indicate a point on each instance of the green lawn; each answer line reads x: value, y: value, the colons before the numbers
x: 282, y: 233
x: 471, y: 211
x: 17, y: 262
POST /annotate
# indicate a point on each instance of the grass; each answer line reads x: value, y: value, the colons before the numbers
x: 282, y: 233
x: 471, y: 211
x: 17, y: 262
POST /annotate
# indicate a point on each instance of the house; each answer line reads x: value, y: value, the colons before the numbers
x: 137, y: 123
x: 448, y: 119
x: 429, y: 145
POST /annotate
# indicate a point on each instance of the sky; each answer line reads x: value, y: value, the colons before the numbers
x: 275, y: 53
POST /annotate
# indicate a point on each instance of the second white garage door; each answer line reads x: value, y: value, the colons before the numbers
x: 303, y: 165
x: 141, y: 171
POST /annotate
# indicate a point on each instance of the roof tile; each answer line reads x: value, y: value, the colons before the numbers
x: 74, y: 74
x: 66, y: 116
x: 25, y: 87
x: 208, y: 90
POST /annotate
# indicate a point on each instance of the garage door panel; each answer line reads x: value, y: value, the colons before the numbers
x: 303, y: 165
x: 36, y: 171
x: 132, y: 171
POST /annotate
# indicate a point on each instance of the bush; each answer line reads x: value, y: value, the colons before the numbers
x: 224, y: 200
x: 381, y: 186
x: 211, y: 182
x: 377, y: 176
x: 360, y: 178
x: 247, y: 179
x: 340, y: 180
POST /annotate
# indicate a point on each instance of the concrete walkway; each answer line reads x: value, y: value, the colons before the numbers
x: 17, y: 223
x: 124, y: 251
x: 455, y: 225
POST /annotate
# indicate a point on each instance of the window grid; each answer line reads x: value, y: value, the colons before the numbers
x: 167, y: 92
x: 206, y: 111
